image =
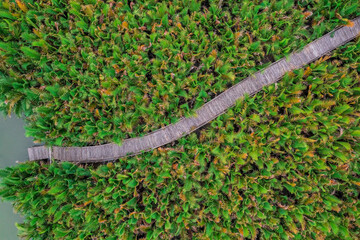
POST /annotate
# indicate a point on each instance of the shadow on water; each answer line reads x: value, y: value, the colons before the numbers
x: 13, y: 147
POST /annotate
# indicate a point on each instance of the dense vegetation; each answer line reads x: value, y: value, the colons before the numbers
x: 89, y: 72
x: 284, y: 164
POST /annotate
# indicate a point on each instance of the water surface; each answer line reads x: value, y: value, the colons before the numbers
x: 13, y: 147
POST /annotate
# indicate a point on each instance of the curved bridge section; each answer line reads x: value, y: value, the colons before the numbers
x: 208, y: 111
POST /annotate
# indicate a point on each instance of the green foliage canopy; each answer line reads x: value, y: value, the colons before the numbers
x: 281, y: 165
x: 86, y: 72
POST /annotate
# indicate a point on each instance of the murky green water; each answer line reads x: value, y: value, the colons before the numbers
x: 13, y: 147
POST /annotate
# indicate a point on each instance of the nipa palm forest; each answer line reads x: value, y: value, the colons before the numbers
x: 281, y: 164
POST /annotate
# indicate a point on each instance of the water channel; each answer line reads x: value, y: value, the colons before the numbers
x: 13, y: 148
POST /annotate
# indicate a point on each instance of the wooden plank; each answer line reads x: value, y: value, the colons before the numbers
x: 209, y: 111
x: 38, y: 153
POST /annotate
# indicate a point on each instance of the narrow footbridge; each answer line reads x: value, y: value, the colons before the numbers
x: 208, y: 111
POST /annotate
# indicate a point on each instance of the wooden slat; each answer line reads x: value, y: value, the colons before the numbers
x: 209, y: 111
x: 38, y: 153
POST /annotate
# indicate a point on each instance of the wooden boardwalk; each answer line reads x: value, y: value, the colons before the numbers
x: 208, y: 111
